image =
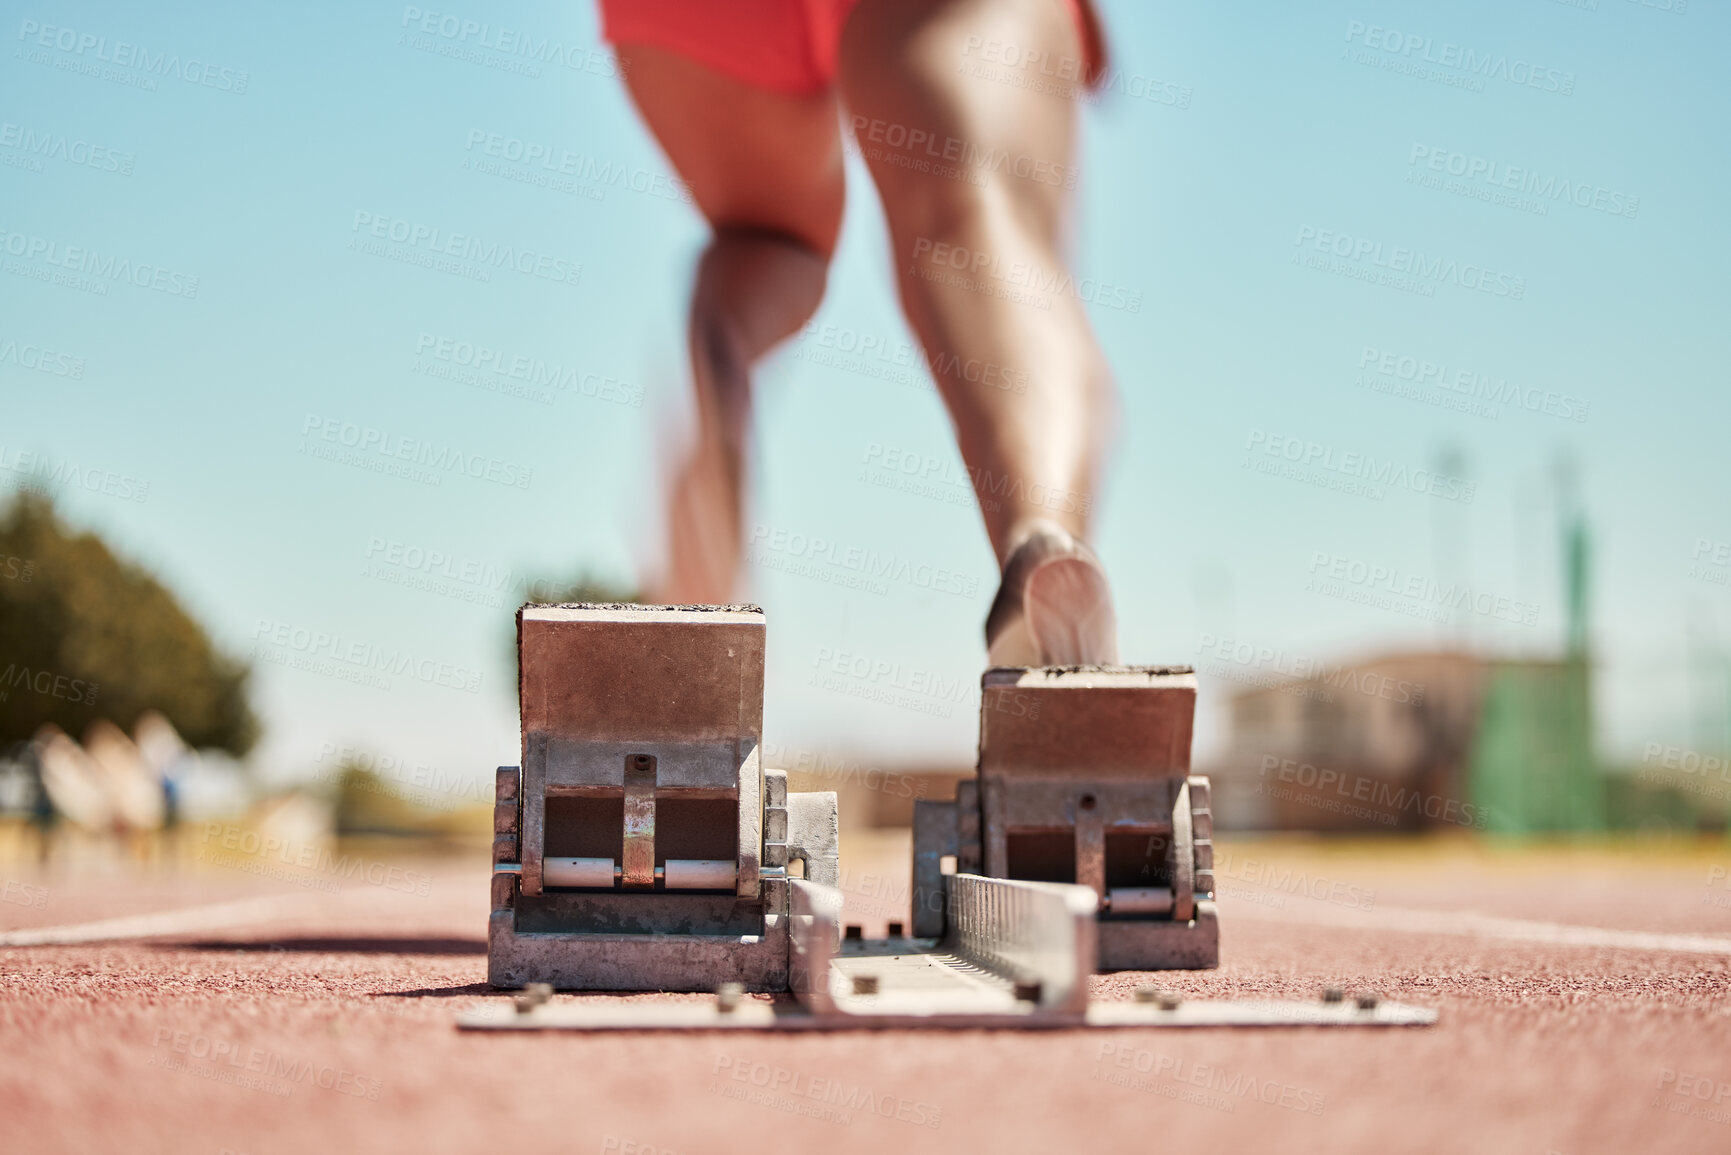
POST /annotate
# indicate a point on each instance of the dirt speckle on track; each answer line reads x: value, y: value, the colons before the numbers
x: 326, y: 1024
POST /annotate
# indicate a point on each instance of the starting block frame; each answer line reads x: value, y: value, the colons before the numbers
x: 642, y: 846
x: 1084, y: 777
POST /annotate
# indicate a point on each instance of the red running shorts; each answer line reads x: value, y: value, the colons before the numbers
x: 786, y: 46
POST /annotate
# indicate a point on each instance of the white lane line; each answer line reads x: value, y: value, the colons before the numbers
x: 169, y: 922
x: 1311, y: 913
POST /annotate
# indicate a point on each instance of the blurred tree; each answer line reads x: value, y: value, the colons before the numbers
x: 585, y: 588
x: 85, y: 635
x: 366, y: 804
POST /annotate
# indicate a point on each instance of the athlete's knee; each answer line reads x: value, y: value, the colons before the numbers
x: 754, y: 287
x: 745, y: 251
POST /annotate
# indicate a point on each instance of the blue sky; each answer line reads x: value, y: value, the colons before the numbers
x: 1389, y: 261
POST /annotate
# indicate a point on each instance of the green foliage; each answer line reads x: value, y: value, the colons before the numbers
x: 366, y: 804
x: 586, y: 588
x: 85, y: 635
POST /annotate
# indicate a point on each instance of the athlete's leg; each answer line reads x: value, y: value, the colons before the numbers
x: 766, y: 170
x: 1032, y: 439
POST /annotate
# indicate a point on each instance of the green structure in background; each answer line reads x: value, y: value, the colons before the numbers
x: 1533, y: 766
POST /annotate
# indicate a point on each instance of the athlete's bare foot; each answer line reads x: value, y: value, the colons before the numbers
x: 1053, y: 607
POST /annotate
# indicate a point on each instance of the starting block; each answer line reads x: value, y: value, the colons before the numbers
x: 1084, y: 777
x: 642, y: 846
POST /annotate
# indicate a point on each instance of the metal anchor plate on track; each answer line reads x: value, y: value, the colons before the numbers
x: 1017, y: 957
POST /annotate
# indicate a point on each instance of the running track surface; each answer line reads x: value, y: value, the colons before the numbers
x: 1585, y: 1001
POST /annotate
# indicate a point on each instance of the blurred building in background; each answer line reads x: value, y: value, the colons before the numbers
x: 1450, y: 739
x: 1357, y: 747
x: 1416, y: 741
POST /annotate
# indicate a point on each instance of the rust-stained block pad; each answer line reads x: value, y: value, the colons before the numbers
x: 1091, y: 721
x: 602, y: 681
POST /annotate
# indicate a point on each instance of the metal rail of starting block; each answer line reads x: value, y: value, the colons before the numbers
x: 1017, y: 955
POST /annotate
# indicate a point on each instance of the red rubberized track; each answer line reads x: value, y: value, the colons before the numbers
x: 324, y: 1024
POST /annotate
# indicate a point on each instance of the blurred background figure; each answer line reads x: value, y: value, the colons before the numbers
x: 111, y: 786
x: 134, y: 790
x: 169, y: 759
x: 747, y: 99
x: 73, y: 783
